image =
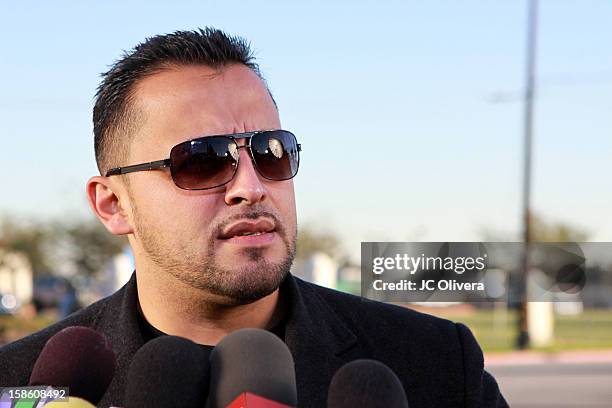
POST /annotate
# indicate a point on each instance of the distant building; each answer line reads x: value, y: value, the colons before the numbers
x: 16, y: 280
x: 318, y: 268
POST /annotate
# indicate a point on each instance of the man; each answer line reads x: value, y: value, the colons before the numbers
x: 198, y: 173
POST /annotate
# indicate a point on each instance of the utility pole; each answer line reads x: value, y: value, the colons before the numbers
x: 522, y: 341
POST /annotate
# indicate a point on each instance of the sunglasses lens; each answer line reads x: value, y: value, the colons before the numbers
x: 204, y: 163
x: 276, y: 154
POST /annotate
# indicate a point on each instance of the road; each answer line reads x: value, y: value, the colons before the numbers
x: 558, y: 383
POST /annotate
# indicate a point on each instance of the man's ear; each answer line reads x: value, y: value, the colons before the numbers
x: 106, y: 205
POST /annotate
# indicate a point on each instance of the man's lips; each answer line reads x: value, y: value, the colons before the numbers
x: 254, y: 240
x: 245, y: 228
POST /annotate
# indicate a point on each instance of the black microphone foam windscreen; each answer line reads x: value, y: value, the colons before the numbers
x: 168, y: 371
x: 254, y: 361
x: 366, y: 383
x: 79, y: 358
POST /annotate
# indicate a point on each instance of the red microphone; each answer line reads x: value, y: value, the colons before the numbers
x: 252, y: 368
x: 248, y: 400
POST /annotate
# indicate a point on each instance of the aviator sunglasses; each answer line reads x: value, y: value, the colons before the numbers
x: 212, y: 161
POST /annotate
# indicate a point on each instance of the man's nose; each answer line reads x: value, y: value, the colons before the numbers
x: 246, y: 185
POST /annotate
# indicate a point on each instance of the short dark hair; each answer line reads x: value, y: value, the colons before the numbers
x: 114, y: 115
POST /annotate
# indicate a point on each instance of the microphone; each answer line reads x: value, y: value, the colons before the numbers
x: 168, y: 371
x: 79, y: 358
x: 254, y: 368
x: 366, y: 383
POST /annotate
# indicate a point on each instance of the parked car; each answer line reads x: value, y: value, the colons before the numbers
x: 55, y: 292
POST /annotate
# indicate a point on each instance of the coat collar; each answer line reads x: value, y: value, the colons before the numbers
x: 312, y: 323
x: 314, y: 333
x: 317, y: 338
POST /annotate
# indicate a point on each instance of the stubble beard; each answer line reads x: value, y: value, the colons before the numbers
x: 238, y: 285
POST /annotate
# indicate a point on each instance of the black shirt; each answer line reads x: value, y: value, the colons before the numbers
x: 149, y: 332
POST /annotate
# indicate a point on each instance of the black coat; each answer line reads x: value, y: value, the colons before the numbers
x: 439, y: 362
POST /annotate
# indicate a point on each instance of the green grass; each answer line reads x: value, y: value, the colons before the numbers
x: 591, y: 330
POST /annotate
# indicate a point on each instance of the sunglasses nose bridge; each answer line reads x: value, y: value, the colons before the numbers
x: 247, y: 146
x: 249, y: 151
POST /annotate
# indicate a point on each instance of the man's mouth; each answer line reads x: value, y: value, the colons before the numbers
x: 249, y: 232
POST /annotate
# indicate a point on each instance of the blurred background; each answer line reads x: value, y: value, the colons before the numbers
x: 411, y: 115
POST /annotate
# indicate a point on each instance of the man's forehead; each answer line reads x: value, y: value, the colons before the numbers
x: 190, y: 101
x: 186, y: 85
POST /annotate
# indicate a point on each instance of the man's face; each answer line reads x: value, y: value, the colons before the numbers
x: 197, y: 235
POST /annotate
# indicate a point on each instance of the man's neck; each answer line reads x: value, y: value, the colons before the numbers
x: 178, y: 309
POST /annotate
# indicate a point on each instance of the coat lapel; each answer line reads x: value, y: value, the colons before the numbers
x: 317, y: 338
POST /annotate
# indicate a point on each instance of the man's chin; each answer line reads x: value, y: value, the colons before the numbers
x: 255, y: 279
x: 251, y: 284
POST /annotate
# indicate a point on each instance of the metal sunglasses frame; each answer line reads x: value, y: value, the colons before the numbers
x: 167, y: 163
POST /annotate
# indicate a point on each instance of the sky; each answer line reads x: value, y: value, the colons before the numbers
x: 409, y: 112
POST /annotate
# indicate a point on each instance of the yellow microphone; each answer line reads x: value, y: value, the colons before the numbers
x: 73, y: 402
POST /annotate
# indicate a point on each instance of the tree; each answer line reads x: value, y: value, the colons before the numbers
x: 87, y: 245
x: 542, y: 230
x: 28, y: 238
x: 81, y: 246
x: 310, y: 241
